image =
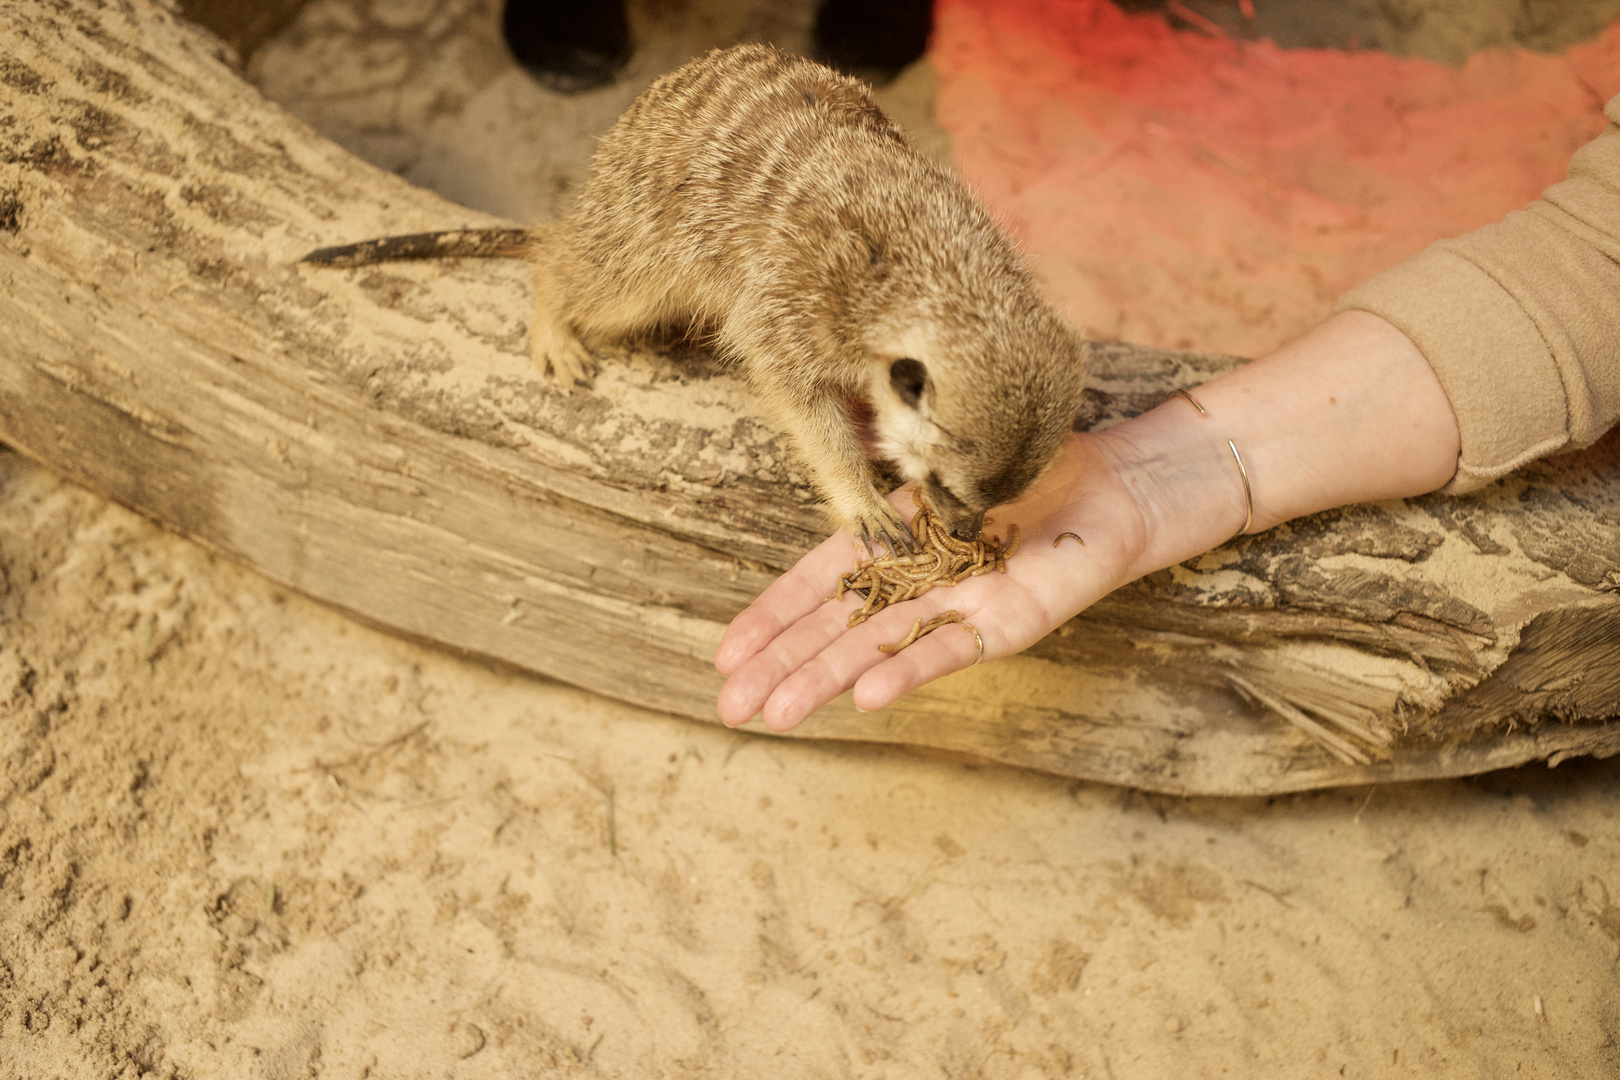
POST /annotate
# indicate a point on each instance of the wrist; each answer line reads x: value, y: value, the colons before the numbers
x: 1349, y: 412
x: 1184, y: 480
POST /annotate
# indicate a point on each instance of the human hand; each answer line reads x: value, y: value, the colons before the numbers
x: 1350, y: 412
x: 793, y: 650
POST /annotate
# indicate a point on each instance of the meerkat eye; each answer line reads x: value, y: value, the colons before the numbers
x: 908, y: 377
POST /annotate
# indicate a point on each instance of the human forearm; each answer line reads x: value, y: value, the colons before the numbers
x: 1350, y: 412
x: 1519, y: 319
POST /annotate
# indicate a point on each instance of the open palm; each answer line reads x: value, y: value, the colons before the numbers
x: 792, y: 650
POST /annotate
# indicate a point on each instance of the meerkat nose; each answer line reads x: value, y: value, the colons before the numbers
x: 968, y: 528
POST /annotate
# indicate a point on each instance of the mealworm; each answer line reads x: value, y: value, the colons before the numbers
x: 921, y: 629
x: 942, y: 560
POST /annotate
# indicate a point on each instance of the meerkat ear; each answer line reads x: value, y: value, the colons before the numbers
x: 908, y: 377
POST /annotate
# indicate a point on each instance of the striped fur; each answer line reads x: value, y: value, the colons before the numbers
x: 767, y: 200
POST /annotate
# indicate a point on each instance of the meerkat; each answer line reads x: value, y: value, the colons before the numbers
x: 873, y: 305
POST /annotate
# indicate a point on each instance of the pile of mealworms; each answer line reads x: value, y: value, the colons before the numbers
x: 940, y: 559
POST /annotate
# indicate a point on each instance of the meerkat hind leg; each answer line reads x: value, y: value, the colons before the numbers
x: 555, y: 347
x: 570, y: 311
x: 558, y: 351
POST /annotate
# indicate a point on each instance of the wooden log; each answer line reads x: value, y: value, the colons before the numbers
x: 377, y: 439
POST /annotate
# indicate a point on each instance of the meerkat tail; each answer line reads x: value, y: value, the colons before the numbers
x: 456, y: 244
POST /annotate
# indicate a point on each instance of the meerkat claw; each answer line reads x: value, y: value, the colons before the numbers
x: 864, y: 535
x: 898, y: 538
x: 908, y: 539
x: 893, y: 535
x: 559, y: 354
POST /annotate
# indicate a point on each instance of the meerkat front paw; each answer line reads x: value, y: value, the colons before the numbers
x: 558, y: 352
x: 881, y: 523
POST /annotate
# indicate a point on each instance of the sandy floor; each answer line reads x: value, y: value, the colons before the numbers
x: 241, y: 836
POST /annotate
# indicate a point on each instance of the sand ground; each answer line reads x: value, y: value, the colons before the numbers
x: 243, y: 836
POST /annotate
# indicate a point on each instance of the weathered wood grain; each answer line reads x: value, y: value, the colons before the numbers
x: 377, y: 439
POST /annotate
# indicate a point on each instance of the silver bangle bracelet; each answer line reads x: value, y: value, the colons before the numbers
x: 1243, y: 470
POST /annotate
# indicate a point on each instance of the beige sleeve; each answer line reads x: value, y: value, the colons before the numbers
x: 1521, y: 319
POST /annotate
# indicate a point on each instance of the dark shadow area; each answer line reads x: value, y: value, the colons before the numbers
x: 573, y: 47
x: 1536, y: 780
x: 243, y: 26
x: 873, y: 41
x: 566, y: 45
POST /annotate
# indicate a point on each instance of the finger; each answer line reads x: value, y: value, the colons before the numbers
x: 950, y: 648
x: 748, y: 688
x: 788, y: 599
x: 818, y: 679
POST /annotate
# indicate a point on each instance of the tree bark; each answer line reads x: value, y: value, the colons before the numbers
x: 378, y: 439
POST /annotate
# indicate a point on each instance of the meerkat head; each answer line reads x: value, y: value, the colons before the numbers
x: 973, y: 408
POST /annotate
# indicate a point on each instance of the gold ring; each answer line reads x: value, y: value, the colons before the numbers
x: 977, y: 640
